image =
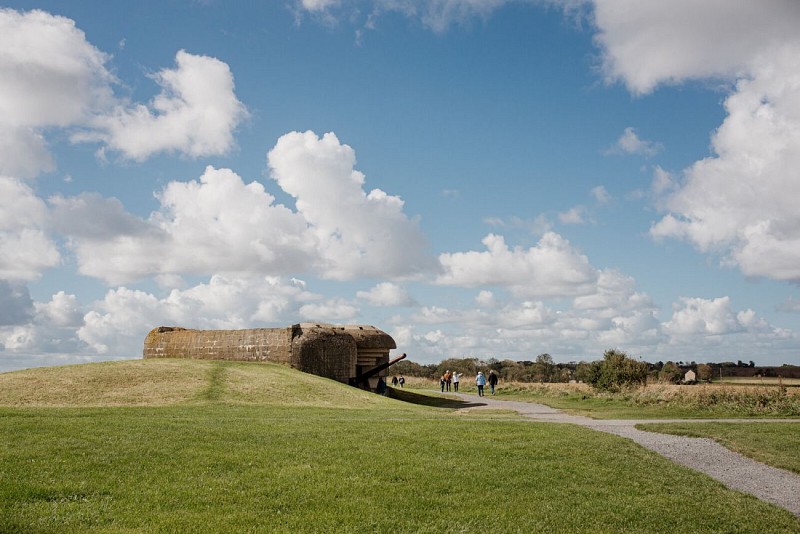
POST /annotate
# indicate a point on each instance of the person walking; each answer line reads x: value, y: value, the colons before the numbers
x: 480, y: 381
x: 492, y: 380
x: 441, y: 382
x: 394, y: 381
x: 448, y: 377
x: 401, y: 380
x: 381, y: 389
x: 456, y: 376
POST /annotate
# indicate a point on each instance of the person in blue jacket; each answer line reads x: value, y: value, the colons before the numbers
x: 480, y: 381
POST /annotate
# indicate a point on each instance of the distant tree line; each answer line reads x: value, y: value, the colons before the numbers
x: 614, y: 371
x: 543, y: 369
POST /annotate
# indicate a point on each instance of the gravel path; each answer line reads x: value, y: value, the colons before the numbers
x: 773, y: 485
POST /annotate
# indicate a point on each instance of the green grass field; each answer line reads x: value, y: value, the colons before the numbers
x: 196, y: 446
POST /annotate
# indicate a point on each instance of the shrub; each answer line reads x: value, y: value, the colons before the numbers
x: 704, y: 372
x: 670, y: 373
x: 617, y: 371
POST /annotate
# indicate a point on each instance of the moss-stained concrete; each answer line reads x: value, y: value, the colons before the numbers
x: 332, y: 351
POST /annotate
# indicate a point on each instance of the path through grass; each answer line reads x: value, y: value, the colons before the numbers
x: 775, y: 444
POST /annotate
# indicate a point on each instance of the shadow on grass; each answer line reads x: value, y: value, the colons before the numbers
x: 405, y: 395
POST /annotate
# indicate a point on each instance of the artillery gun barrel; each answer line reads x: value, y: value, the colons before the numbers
x: 363, y: 377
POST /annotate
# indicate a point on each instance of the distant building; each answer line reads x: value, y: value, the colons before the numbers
x: 347, y: 353
x: 689, y: 377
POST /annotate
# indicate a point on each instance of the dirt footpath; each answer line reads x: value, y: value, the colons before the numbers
x: 770, y: 484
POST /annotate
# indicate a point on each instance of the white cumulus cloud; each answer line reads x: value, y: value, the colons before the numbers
x: 552, y: 268
x: 195, y: 114
x: 216, y: 224
x: 359, y: 233
x: 54, y: 79
x: 742, y: 201
x: 62, y: 310
x: 329, y: 311
x: 51, y: 77
x: 739, y: 202
x: 713, y: 329
x: 26, y: 249
x: 649, y: 43
x: 49, y: 328
x: 697, y: 316
x: 630, y: 143
x: 220, y: 224
x: 386, y: 294
x: 51, y: 74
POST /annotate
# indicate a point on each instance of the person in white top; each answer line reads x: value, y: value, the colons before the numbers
x: 456, y: 376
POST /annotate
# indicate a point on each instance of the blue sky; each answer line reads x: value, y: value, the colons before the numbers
x: 491, y: 179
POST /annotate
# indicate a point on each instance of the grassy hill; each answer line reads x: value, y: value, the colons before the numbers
x: 167, y: 382
x: 197, y: 446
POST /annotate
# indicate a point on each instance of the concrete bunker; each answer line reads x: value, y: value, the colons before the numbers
x: 353, y: 354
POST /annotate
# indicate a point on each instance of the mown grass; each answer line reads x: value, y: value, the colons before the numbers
x: 775, y: 444
x: 261, y: 448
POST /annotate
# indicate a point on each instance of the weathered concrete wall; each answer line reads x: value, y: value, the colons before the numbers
x: 332, y: 351
x: 258, y: 344
x: 324, y: 351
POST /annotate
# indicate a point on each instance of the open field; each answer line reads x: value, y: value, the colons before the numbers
x: 655, y: 401
x: 759, y: 381
x: 219, y: 446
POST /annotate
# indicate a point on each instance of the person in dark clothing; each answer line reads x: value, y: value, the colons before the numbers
x: 492, y: 380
